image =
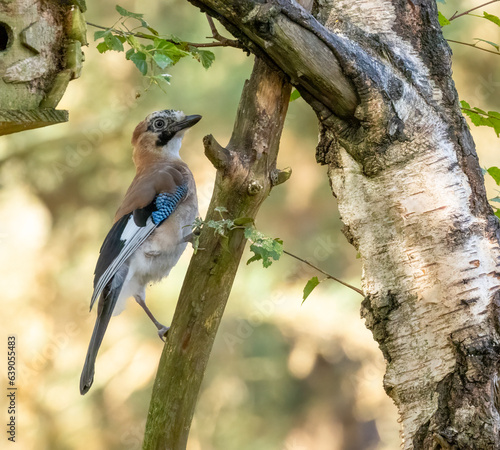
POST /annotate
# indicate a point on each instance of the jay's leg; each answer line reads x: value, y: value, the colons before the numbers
x: 162, y: 329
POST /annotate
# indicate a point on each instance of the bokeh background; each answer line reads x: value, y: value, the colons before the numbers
x: 283, y: 375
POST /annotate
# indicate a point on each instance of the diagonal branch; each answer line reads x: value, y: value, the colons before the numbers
x: 247, y: 162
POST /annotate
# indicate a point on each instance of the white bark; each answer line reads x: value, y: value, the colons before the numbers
x: 430, y: 259
x: 403, y: 166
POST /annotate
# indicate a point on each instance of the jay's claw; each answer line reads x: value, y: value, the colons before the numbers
x: 162, y: 332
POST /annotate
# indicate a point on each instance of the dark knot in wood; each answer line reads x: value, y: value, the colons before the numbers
x: 254, y: 187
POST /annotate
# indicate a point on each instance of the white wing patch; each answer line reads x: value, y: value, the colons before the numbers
x: 133, y: 236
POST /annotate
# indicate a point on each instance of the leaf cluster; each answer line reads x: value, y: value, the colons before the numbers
x: 264, y: 248
x: 444, y: 21
x: 480, y: 117
x: 494, y: 172
x: 151, y: 59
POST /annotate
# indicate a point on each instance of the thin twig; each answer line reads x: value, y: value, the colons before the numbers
x: 456, y: 16
x: 221, y: 42
x: 474, y: 46
x: 212, y: 26
x: 477, y: 112
x: 128, y: 33
x: 359, y: 291
x: 218, y: 37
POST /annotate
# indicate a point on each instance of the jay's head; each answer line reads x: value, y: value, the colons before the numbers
x: 160, y: 134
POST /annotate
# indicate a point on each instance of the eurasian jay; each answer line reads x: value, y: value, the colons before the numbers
x: 151, y: 227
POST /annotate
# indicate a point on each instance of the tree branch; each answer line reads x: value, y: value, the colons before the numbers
x: 211, y: 273
x: 479, y: 113
x: 221, y: 40
x: 359, y: 291
x: 218, y: 155
x: 294, y: 41
x: 456, y: 15
x: 472, y: 45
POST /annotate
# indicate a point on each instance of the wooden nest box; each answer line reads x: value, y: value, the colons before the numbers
x: 40, y: 52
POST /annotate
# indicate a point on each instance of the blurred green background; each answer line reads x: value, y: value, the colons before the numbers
x: 282, y: 375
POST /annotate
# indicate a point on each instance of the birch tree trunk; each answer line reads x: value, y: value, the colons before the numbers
x: 403, y: 167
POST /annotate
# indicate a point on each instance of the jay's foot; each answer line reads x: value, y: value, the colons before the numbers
x: 162, y: 332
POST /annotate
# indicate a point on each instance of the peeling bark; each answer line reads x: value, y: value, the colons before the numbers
x: 403, y: 167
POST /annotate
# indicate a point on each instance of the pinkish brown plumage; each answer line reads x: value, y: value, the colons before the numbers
x: 151, y: 226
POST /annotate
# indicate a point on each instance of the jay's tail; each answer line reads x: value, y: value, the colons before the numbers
x: 105, y: 310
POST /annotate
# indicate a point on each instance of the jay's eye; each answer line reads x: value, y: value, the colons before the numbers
x: 159, y: 123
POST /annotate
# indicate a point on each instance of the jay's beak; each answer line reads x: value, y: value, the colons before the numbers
x: 188, y: 122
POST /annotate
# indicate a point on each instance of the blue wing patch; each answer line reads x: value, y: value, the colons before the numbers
x: 128, y: 233
x: 166, y: 203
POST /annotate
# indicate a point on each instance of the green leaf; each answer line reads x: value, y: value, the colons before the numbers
x: 174, y: 38
x: 102, y: 47
x: 495, y: 174
x: 497, y: 213
x: 151, y: 29
x: 100, y: 34
x: 495, y: 123
x: 129, y: 53
x: 489, y: 42
x: 240, y: 221
x: 294, y: 95
x: 206, y: 58
x: 161, y: 60
x: 220, y: 209
x: 113, y: 42
x: 476, y: 118
x: 250, y: 233
x: 495, y: 199
x: 492, y: 18
x: 133, y: 42
x: 309, y: 287
x: 479, y: 110
x: 441, y: 1
x: 123, y: 12
x: 162, y: 78
x: 267, y: 248
x: 139, y: 59
x: 169, y: 48
x: 443, y: 21
x: 480, y: 117
x: 254, y: 258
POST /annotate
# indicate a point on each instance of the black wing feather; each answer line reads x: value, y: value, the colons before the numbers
x: 111, y: 247
x: 141, y: 215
